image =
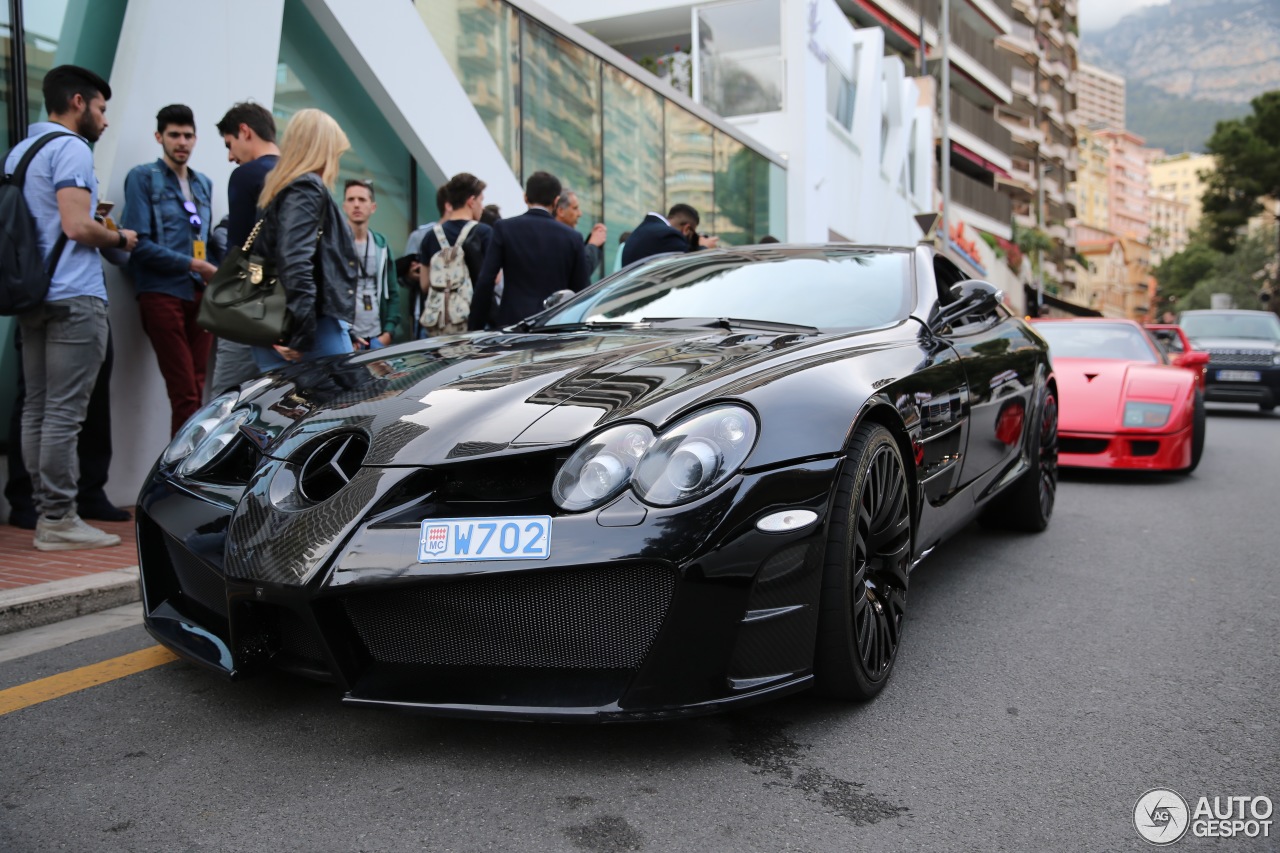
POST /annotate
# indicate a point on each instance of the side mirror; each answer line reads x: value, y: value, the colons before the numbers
x: 1194, y: 359
x: 968, y: 299
x: 556, y: 298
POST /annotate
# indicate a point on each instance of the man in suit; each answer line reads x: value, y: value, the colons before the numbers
x: 535, y: 254
x: 660, y: 235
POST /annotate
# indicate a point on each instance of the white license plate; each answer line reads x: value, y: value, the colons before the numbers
x: 456, y: 540
x: 1239, y: 376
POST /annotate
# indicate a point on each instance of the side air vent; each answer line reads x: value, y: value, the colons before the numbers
x: 330, y: 465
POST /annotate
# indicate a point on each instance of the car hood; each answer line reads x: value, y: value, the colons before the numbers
x: 474, y: 395
x: 1093, y: 390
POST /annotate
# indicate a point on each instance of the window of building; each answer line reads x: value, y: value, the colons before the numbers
x: 690, y: 161
x: 481, y: 41
x: 633, y: 143
x: 67, y: 32
x: 841, y: 92
x: 561, y: 117
x: 312, y: 73
x: 739, y: 57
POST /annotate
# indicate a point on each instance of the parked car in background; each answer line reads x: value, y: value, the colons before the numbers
x: 1178, y: 350
x: 1244, y: 355
x: 1122, y: 404
x: 703, y: 482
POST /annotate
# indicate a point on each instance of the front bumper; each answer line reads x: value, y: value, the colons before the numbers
x: 682, y: 611
x: 1265, y: 392
x: 1131, y: 451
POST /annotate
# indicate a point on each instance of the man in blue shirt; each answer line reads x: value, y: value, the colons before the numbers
x: 64, y: 340
x: 169, y: 204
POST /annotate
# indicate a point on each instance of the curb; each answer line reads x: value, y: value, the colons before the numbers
x: 55, y: 601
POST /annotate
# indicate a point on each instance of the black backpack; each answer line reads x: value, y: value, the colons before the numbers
x: 24, y: 278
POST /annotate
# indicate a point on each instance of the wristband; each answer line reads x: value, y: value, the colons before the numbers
x: 121, y: 240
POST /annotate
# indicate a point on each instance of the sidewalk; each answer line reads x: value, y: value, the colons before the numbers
x: 40, y: 587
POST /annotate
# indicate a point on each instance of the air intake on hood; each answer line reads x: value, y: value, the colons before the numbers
x: 331, y: 465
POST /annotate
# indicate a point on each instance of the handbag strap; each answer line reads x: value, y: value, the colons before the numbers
x: 253, y: 235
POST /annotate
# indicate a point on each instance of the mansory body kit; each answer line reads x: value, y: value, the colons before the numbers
x: 702, y: 482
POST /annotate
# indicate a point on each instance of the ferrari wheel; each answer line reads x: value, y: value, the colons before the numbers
x: 864, y: 587
x: 1197, y: 434
x: 1028, y: 503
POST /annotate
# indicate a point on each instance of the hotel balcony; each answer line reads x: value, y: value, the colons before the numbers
x: 986, y: 135
x: 991, y: 206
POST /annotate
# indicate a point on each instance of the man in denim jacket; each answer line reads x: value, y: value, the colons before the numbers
x: 168, y: 204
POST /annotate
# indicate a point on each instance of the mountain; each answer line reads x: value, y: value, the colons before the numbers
x: 1190, y: 64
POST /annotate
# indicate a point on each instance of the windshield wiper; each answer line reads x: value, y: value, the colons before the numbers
x: 732, y: 323
x: 585, y: 325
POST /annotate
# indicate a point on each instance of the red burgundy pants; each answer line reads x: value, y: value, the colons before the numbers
x: 182, y: 349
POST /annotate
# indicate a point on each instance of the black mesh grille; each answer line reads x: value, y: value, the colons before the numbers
x: 297, y: 638
x: 1242, y: 358
x: 197, y: 579
x: 1082, y: 445
x: 597, y: 618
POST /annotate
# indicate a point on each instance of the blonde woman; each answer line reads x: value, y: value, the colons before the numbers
x: 306, y: 235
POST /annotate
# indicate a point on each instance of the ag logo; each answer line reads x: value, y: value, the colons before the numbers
x: 1161, y: 816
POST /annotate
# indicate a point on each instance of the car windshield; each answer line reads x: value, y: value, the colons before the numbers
x: 819, y: 287
x: 1118, y: 341
x: 1263, y: 327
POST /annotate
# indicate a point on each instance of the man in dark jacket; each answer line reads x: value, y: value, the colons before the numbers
x: 536, y: 254
x: 660, y: 235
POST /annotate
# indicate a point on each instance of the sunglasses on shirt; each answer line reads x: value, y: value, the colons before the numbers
x: 195, y: 220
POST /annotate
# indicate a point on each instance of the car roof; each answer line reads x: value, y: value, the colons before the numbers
x: 1111, y: 320
x: 1226, y: 311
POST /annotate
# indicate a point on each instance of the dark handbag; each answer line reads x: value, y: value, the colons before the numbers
x: 245, y: 301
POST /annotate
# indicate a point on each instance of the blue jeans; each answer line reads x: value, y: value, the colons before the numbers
x: 331, y: 339
x: 63, y: 345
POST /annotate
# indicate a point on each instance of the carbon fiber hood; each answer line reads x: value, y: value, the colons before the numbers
x: 467, y: 396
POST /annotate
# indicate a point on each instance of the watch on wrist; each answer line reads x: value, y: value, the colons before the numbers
x: 121, y: 240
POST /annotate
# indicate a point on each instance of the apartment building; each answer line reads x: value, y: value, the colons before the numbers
x: 1179, y: 177
x: 1169, y: 233
x: 1043, y: 45
x: 1128, y: 184
x: 1099, y: 97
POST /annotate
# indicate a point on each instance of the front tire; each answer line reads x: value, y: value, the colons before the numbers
x: 1198, y: 427
x: 864, y: 582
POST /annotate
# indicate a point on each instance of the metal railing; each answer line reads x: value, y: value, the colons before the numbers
x: 981, y: 124
x: 977, y: 196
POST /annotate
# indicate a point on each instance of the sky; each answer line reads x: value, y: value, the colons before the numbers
x: 1101, y: 14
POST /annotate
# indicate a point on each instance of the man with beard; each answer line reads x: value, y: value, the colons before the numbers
x: 64, y: 340
x: 169, y: 205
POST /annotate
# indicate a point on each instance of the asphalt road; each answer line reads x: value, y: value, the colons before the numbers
x: 1045, y: 683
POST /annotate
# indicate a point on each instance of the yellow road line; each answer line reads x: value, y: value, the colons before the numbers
x: 35, y: 692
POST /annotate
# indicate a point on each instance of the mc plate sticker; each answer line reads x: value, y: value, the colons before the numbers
x: 457, y: 540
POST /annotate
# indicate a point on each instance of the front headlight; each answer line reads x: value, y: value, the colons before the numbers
x: 213, y: 444
x: 695, y: 455
x: 602, y: 467
x: 198, y: 427
x: 1147, y: 415
x: 1275, y: 359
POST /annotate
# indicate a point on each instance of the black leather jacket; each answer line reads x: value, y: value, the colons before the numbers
x: 306, y: 235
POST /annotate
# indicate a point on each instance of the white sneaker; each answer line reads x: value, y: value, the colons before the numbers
x: 70, y: 533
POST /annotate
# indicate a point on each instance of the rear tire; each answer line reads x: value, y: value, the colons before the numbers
x: 1027, y: 505
x: 864, y: 579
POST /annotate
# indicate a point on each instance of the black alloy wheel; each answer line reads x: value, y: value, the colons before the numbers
x: 1028, y: 503
x: 869, y: 550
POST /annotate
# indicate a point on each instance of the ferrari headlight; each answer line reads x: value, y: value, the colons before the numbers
x: 695, y: 455
x: 602, y: 467
x: 213, y: 443
x: 198, y: 427
x: 1148, y: 415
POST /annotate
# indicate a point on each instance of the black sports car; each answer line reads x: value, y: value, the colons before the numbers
x: 702, y: 482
